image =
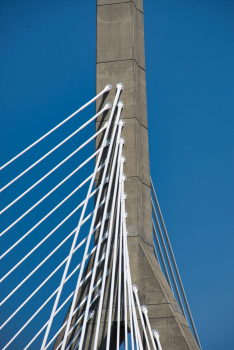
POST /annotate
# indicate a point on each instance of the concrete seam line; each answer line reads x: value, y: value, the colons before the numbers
x: 123, y: 2
x: 145, y: 241
x: 143, y: 183
x: 128, y: 59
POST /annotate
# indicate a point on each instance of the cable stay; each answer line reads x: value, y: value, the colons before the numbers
x: 165, y: 250
x: 95, y: 268
x: 106, y: 89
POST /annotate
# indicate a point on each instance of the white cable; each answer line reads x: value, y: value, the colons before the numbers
x: 156, y: 255
x: 124, y: 267
x: 57, y: 311
x: 36, y: 204
x: 76, y: 236
x: 57, y: 166
x: 42, y: 306
x: 91, y: 314
x: 53, y: 189
x: 36, y: 183
x: 120, y: 274
x: 161, y: 255
x: 52, y: 150
x: 98, y: 321
x: 168, y: 260
x: 144, y: 310
x: 43, y: 219
x: 46, y: 280
x: 43, y: 240
x: 135, y: 290
x: 136, y: 327
x: 175, y: 265
x: 107, y: 88
x: 126, y: 264
x: 120, y: 106
x: 156, y: 336
x: 38, y: 266
x: 114, y: 261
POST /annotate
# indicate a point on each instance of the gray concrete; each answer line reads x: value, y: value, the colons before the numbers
x: 121, y: 58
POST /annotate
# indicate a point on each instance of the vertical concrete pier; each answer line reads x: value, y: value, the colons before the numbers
x: 120, y: 57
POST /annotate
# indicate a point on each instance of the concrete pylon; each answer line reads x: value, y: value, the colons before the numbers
x: 121, y: 58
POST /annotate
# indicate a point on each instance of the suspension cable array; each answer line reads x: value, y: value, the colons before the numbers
x: 163, y: 246
x: 93, y: 259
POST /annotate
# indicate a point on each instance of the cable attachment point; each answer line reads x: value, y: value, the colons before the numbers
x: 108, y: 105
x: 107, y: 215
x: 144, y: 309
x: 91, y: 314
x: 107, y: 143
x: 122, y: 140
x: 106, y: 122
x: 121, y: 122
x: 124, y: 178
x: 126, y: 214
x: 120, y: 104
x: 107, y: 272
x: 125, y: 195
x: 135, y: 288
x: 107, y: 179
x: 98, y: 292
x: 108, y: 87
x: 123, y: 158
x: 106, y: 234
x: 155, y: 334
x: 127, y: 232
x: 119, y: 86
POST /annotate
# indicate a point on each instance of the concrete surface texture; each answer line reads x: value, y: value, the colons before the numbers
x: 121, y: 58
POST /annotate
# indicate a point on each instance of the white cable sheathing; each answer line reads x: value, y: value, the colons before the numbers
x: 57, y: 166
x: 119, y: 152
x: 168, y: 260
x: 46, y: 280
x: 124, y: 267
x: 156, y: 255
x: 77, y: 232
x: 156, y: 336
x: 161, y: 255
x: 129, y: 281
x: 145, y: 311
x: 55, y: 208
x: 57, y: 311
x: 120, y: 106
x: 174, y: 262
x: 114, y: 257
x: 107, y: 88
x: 120, y: 269
x: 136, y: 328
x: 39, y: 265
x: 36, y: 183
x: 43, y: 240
x: 127, y: 267
x: 135, y: 290
x: 50, y: 297
x: 74, y: 312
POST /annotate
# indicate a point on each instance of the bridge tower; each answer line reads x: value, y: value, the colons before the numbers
x: 120, y: 57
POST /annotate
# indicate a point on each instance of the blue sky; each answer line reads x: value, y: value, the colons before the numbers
x: 48, y: 71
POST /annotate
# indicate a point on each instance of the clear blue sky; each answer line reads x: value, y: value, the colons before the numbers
x: 47, y: 69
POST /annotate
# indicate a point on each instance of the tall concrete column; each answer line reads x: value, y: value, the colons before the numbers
x: 121, y: 58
